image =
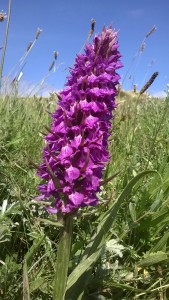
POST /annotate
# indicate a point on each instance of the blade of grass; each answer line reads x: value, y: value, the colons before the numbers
x: 93, y: 250
x: 26, y: 293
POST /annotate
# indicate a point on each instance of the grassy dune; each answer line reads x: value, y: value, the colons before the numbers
x: 134, y: 263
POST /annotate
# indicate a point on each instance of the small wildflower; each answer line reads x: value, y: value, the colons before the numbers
x: 76, y: 148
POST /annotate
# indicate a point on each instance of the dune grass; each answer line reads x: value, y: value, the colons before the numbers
x: 119, y: 248
x: 139, y: 142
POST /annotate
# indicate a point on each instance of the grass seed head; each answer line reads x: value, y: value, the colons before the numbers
x: 52, y: 65
x: 151, y: 31
x: 38, y: 32
x: 92, y: 27
x: 148, y: 83
x: 3, y: 16
x: 29, y: 46
x: 55, y: 53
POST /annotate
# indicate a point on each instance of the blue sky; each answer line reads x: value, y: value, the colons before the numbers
x: 65, y: 27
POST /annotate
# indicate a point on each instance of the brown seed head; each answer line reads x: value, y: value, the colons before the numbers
x: 92, y: 24
x: 52, y: 65
x: 3, y: 16
x: 55, y: 54
x: 38, y: 32
x: 148, y: 83
x: 29, y: 46
x: 142, y: 47
x: 151, y: 31
x: 92, y: 27
x: 134, y: 88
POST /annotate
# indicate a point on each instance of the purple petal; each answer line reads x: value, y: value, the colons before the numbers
x: 76, y: 198
x: 66, y: 151
x: 90, y: 121
x: 77, y: 144
x: 72, y: 173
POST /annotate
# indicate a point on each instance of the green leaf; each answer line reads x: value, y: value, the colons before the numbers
x: 122, y: 286
x: 63, y: 256
x: 102, y: 231
x: 161, y: 244
x: 37, y: 283
x: 14, y: 209
x: 4, y: 233
x: 36, y: 244
x: 4, y: 206
x: 160, y: 220
x: 50, y: 222
x: 93, y: 250
x: 153, y: 258
x: 82, y: 267
x: 76, y: 291
x: 132, y: 211
x: 26, y: 293
x: 81, y: 296
x: 14, y: 141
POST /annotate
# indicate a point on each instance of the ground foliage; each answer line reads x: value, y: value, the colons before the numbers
x: 125, y: 258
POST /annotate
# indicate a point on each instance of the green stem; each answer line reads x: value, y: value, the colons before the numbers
x: 5, y: 42
x: 63, y: 254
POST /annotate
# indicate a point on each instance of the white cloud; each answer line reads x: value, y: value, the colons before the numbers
x: 159, y: 94
x: 26, y: 88
x: 136, y: 12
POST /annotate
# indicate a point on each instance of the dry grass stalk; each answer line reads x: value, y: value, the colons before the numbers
x: 142, y: 47
x: 90, y: 32
x: 151, y: 31
x: 55, y: 54
x: 51, y: 66
x: 5, y: 41
x: 92, y: 28
x: 119, y: 88
x: 29, y: 46
x: 148, y: 83
x: 139, y: 52
x: 21, y: 61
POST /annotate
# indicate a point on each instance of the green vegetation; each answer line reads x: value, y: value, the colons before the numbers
x: 128, y: 239
x: 120, y: 249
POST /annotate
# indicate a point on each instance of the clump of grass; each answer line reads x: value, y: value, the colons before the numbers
x: 19, y: 181
x: 139, y: 235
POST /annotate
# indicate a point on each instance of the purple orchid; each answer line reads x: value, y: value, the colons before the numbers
x: 76, y: 148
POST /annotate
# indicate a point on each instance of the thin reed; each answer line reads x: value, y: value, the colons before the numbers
x: 2, y: 16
